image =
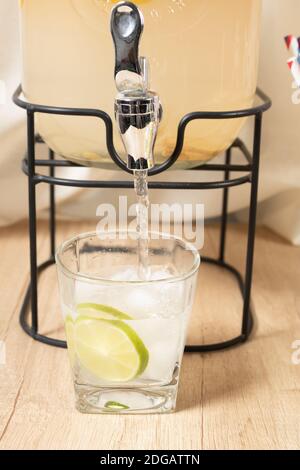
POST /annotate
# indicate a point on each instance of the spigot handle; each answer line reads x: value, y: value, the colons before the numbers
x: 137, y: 110
x: 127, y: 24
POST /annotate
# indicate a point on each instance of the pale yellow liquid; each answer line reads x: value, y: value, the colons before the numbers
x: 203, y: 56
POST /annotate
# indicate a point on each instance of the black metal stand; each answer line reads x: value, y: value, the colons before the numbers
x: 251, y: 168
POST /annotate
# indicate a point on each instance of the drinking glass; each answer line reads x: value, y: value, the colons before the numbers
x: 126, y: 336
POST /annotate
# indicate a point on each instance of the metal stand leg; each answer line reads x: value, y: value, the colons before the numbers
x: 31, y: 296
x: 224, y: 219
x: 52, y: 215
x: 32, y: 290
x: 247, y: 321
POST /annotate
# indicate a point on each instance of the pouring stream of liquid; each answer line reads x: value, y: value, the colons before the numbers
x: 142, y: 212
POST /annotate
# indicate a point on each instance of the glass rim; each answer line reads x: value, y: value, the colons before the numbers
x: 97, y: 279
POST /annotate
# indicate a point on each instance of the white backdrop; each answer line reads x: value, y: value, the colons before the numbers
x: 280, y: 175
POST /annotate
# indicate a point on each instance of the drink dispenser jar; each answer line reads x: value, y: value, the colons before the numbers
x: 203, y: 56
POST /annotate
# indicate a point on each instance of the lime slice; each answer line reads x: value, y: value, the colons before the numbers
x: 110, y: 349
x: 115, y: 405
x: 104, y: 312
x: 69, y: 329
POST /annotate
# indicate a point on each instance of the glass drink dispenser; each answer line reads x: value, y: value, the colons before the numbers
x: 203, y: 56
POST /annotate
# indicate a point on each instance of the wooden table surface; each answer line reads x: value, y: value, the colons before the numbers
x: 243, y: 398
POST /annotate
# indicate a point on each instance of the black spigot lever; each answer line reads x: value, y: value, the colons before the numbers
x: 127, y: 24
x: 137, y: 110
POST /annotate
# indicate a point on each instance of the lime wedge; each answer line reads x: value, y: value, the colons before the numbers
x: 110, y: 349
x: 104, y: 312
x: 115, y: 405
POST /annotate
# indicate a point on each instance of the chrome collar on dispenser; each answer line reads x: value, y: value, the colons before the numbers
x: 138, y: 110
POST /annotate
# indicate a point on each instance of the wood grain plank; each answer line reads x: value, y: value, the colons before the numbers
x: 14, y: 274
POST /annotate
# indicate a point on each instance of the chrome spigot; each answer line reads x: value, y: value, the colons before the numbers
x: 137, y: 109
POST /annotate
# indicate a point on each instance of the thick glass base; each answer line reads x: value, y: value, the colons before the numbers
x: 98, y: 400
